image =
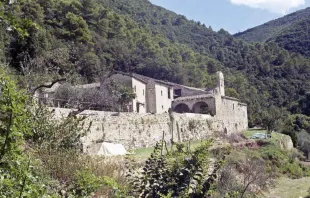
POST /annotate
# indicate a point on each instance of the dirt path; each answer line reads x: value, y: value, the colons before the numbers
x: 290, y: 188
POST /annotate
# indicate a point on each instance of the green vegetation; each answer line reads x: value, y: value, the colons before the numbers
x: 178, y: 173
x: 82, y: 40
x: 39, y: 156
x: 298, y: 128
x: 289, y: 32
x: 273, y: 28
x: 288, y: 188
x: 144, y: 153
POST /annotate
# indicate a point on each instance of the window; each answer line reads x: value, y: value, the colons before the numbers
x: 162, y: 106
x: 143, y: 92
x: 177, y: 93
x: 161, y: 93
x: 138, y: 107
x: 169, y: 95
x: 233, y: 106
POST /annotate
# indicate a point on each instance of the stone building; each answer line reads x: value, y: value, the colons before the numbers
x: 225, y: 109
x: 194, y: 114
x: 193, y: 100
x: 152, y: 96
x: 157, y: 97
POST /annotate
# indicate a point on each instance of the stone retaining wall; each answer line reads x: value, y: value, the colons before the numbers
x: 144, y: 130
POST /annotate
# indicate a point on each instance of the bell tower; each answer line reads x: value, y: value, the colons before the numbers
x: 220, y: 83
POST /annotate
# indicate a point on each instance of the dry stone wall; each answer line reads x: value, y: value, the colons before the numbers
x: 144, y: 130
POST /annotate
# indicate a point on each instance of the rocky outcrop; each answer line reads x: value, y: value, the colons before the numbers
x: 284, y: 141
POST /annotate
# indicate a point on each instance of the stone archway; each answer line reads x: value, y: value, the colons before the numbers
x: 201, y: 108
x: 181, y: 108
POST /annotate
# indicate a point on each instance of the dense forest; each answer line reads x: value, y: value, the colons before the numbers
x: 290, y: 32
x: 272, y: 28
x: 83, y: 39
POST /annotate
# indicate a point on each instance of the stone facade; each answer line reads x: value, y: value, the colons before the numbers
x: 164, y: 109
x: 139, y: 104
x: 152, y: 96
x: 137, y: 130
x: 193, y: 104
x: 164, y: 98
x: 229, y: 112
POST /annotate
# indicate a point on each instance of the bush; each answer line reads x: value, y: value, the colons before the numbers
x: 178, y: 174
x: 21, y: 174
x: 62, y: 165
x: 284, y: 162
x: 244, y: 176
x: 39, y: 154
x: 85, y: 183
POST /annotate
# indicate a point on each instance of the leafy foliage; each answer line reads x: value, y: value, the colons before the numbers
x: 85, y: 183
x: 177, y: 174
x: 31, y: 147
x: 56, y: 134
x: 19, y: 173
x: 298, y: 128
x: 284, y: 162
x: 84, y: 39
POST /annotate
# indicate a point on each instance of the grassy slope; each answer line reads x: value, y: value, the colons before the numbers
x: 285, y: 187
x: 289, y: 188
x: 143, y: 153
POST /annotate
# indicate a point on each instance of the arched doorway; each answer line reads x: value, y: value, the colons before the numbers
x: 201, y: 108
x: 181, y: 108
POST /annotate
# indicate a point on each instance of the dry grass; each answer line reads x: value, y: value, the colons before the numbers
x: 62, y: 166
x: 290, y: 188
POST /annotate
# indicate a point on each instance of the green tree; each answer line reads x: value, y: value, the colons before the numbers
x: 18, y: 173
x: 271, y: 118
x: 77, y: 28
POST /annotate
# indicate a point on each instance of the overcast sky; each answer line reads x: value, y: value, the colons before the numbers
x: 233, y: 15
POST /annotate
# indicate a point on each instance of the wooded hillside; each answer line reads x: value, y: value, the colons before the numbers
x: 272, y: 28
x: 290, y: 32
x: 83, y: 39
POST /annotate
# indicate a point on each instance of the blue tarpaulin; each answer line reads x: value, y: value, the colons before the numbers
x: 260, y: 136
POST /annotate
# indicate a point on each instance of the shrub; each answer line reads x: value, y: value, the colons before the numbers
x: 55, y: 134
x: 85, y: 183
x: 20, y: 172
x: 283, y: 161
x: 244, y: 176
x: 62, y: 165
x: 178, y: 174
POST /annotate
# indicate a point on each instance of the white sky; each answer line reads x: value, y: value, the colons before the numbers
x: 275, y: 6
